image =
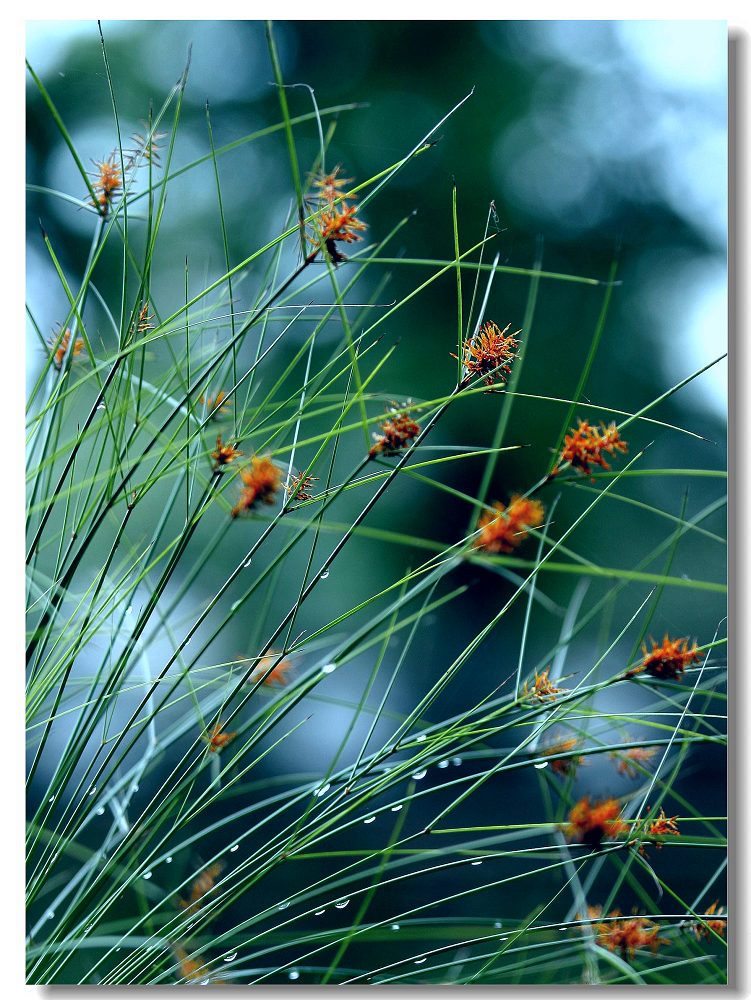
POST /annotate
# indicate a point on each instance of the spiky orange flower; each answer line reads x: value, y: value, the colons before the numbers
x: 563, y: 766
x: 587, y: 445
x: 542, y: 688
x: 667, y: 661
x: 108, y: 182
x: 217, y: 739
x: 60, y: 349
x: 628, y: 934
x: 305, y: 484
x: 328, y: 185
x: 219, y: 404
x: 507, y: 528
x: 397, y: 431
x: 590, y: 823
x: 628, y: 760
x: 261, y: 482
x: 714, y: 920
x: 143, y: 323
x: 223, y: 454
x: 490, y: 353
x: 661, y: 826
x: 278, y: 676
x: 338, y: 224
x: 201, y: 887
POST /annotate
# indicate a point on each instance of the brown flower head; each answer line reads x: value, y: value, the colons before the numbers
x: 201, y: 887
x: 59, y: 348
x: 329, y: 184
x: 490, y: 353
x: 563, y: 766
x: 504, y: 528
x: 143, y: 323
x: 628, y: 934
x: 629, y: 760
x: 667, y: 661
x: 714, y: 920
x: 261, y: 482
x: 542, y: 688
x: 305, y: 484
x: 336, y: 224
x: 217, y: 739
x: 278, y: 676
x: 217, y: 406
x: 590, y: 823
x: 587, y: 445
x: 397, y: 431
x: 223, y: 454
x: 660, y: 826
x: 107, y: 183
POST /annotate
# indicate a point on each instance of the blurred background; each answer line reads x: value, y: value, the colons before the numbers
x: 595, y: 140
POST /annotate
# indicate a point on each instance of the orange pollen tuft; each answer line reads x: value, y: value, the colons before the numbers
x: 629, y: 759
x: 261, y: 482
x: 669, y: 660
x: 714, y: 920
x: 217, y: 739
x: 490, y: 353
x: 219, y: 404
x: 507, y: 528
x: 305, y: 484
x: 563, y: 766
x: 223, y: 454
x: 542, y: 688
x: 590, y: 823
x: 328, y: 186
x: 278, y: 675
x: 108, y: 181
x: 397, y: 431
x: 59, y: 351
x: 584, y: 447
x: 628, y: 934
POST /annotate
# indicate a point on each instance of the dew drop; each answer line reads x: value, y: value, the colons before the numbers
x: 169, y: 860
x: 325, y: 575
x: 341, y: 904
x: 329, y: 668
x: 52, y: 799
x: 419, y: 775
x: 101, y: 406
x: 248, y: 562
x: 541, y: 766
x: 117, y: 949
x: 396, y: 809
x: 205, y: 982
x: 129, y: 611
x: 50, y: 914
x: 147, y: 874
x: 456, y: 761
x: 100, y: 811
x: 395, y: 927
x: 443, y: 763
x: 370, y: 819
x: 235, y: 847
x: 284, y: 905
x: 235, y: 605
x: 323, y: 789
x: 498, y: 924
x: 294, y: 974
x: 419, y: 961
x: 318, y: 913
x: 421, y: 738
x: 476, y: 862
x: 231, y: 957
x: 92, y: 790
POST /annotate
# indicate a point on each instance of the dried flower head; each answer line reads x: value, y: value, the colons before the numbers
x: 107, y: 183
x: 714, y: 920
x: 218, y: 406
x: 305, y: 484
x: 261, y: 482
x: 490, y: 353
x: 201, y: 887
x: 628, y: 934
x: 587, y: 445
x: 660, y: 826
x: 59, y: 348
x: 147, y: 146
x: 628, y: 760
x: 143, y: 323
x: 329, y: 184
x: 504, y: 528
x: 396, y: 432
x: 217, y: 739
x: 337, y: 224
x: 591, y: 823
x: 279, y: 671
x: 564, y: 766
x: 667, y: 661
x: 542, y: 688
x: 223, y: 454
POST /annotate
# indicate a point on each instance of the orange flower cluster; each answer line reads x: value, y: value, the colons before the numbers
x: 629, y: 759
x: 714, y: 921
x: 586, y: 446
x: 59, y: 351
x: 278, y: 676
x: 667, y: 661
x: 661, y: 826
x: 144, y: 324
x: 190, y: 968
x: 305, y: 484
x: 261, y: 482
x: 217, y: 739
x: 542, y: 688
x: 627, y: 934
x: 490, y: 353
x: 220, y: 403
x: 396, y: 433
x: 108, y: 182
x: 223, y: 454
x: 563, y: 766
x: 328, y: 185
x: 504, y: 530
x: 338, y: 222
x: 590, y: 823
x: 201, y: 887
